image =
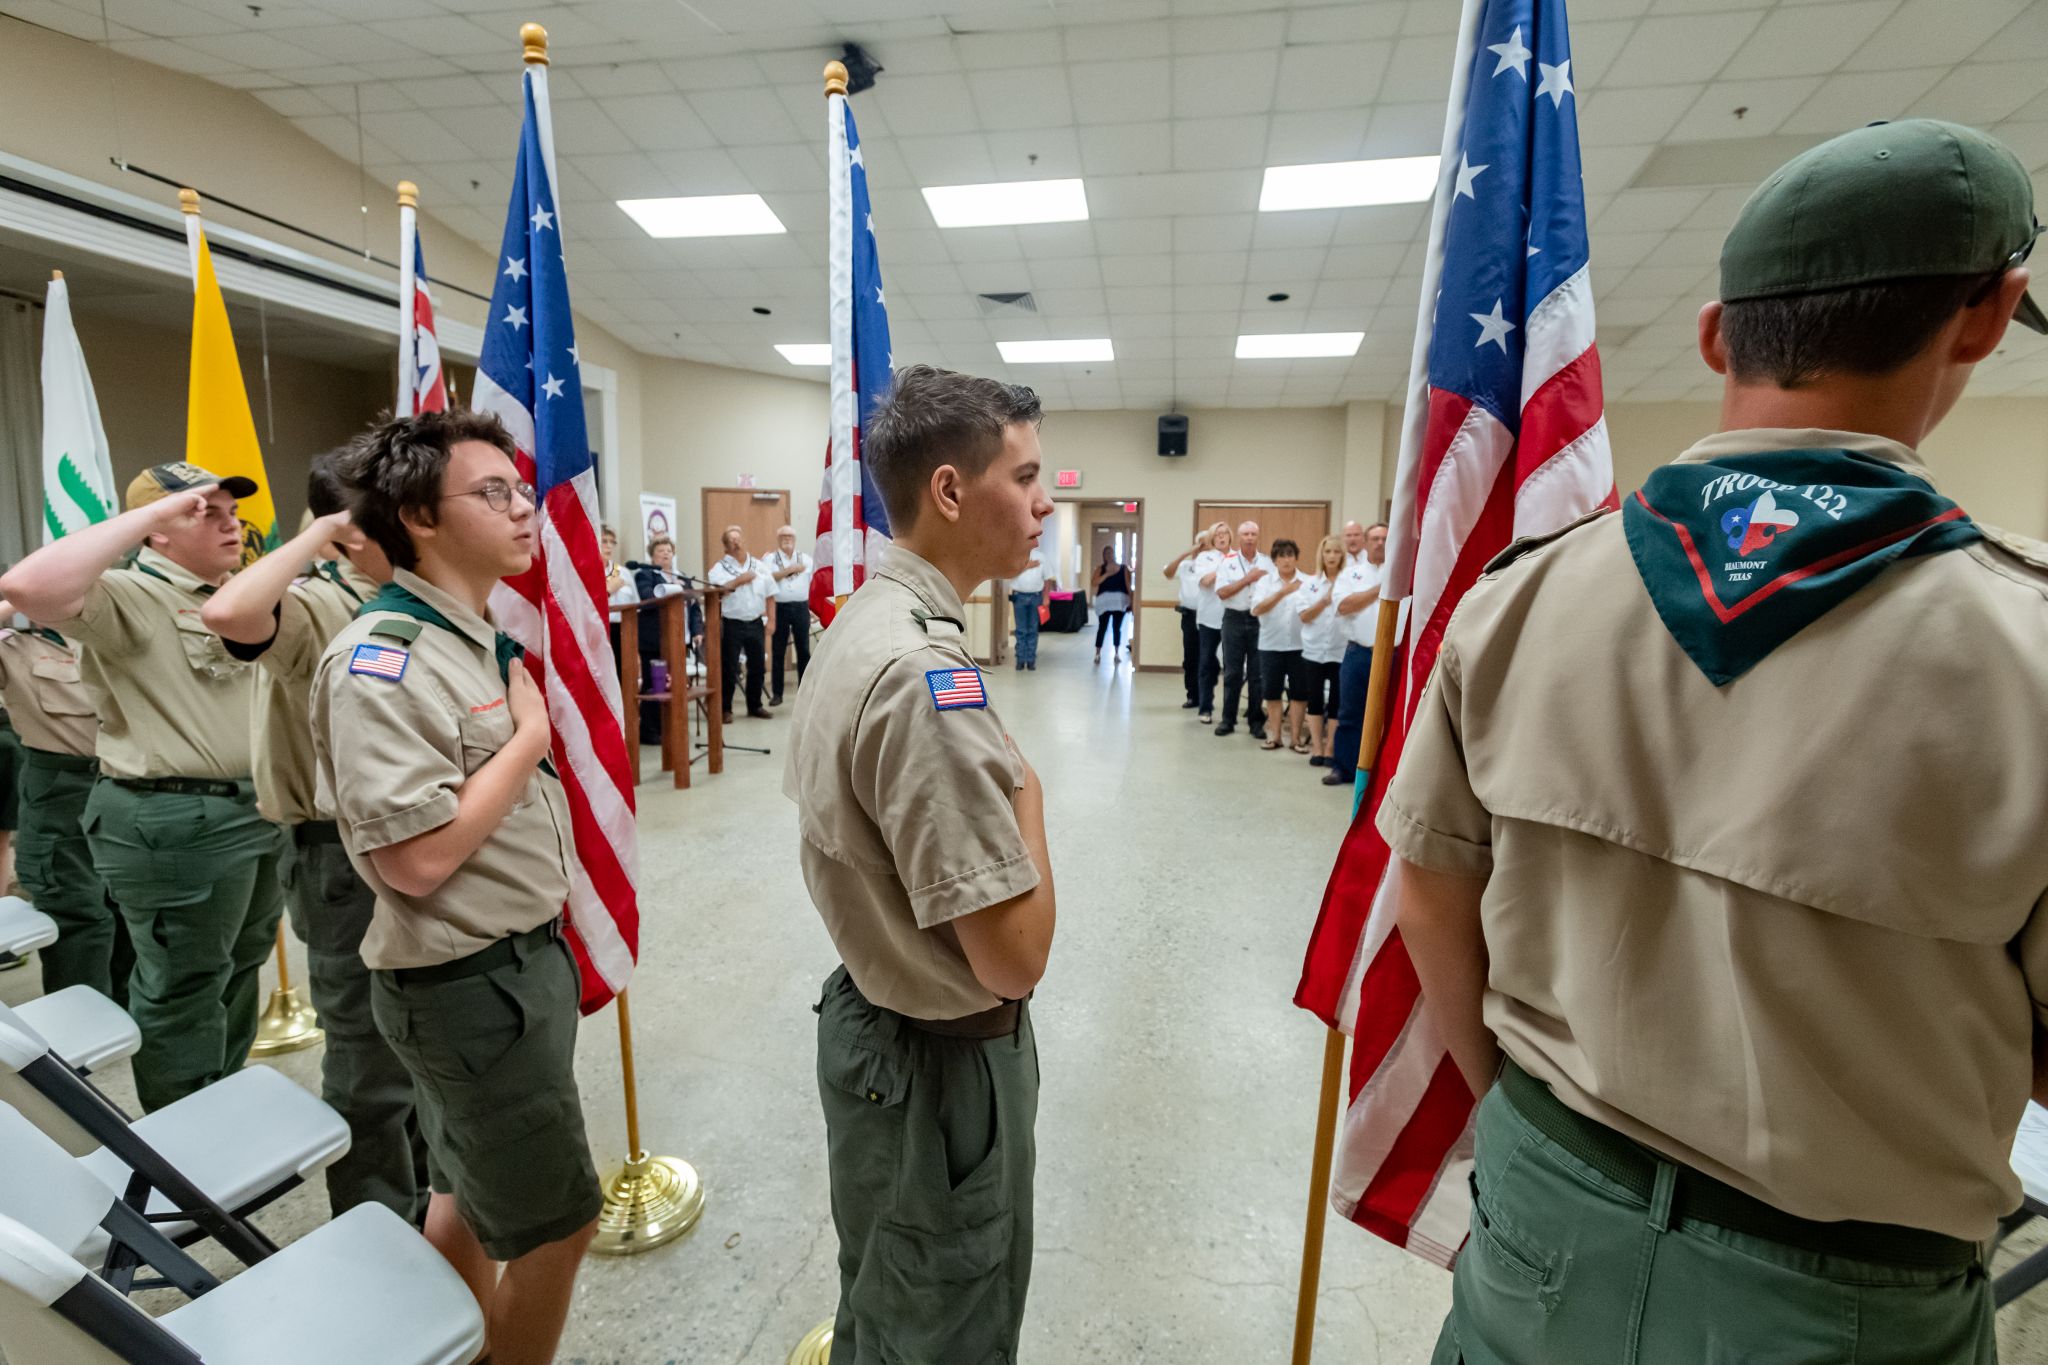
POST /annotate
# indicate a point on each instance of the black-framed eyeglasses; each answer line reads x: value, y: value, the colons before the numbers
x: 497, y: 494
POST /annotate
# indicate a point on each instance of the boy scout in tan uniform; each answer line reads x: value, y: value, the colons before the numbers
x: 430, y: 741
x: 1720, y: 826
x: 283, y: 619
x: 923, y: 845
x: 172, y: 821
x: 48, y: 703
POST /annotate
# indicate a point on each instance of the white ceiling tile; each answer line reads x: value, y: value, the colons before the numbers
x: 626, y: 78
x: 168, y: 52
x: 1222, y: 83
x: 711, y: 170
x: 1209, y: 267
x: 1297, y: 229
x: 1125, y: 148
x: 1419, y: 69
x: 452, y: 92
x: 1035, y: 154
x: 745, y: 118
x: 1852, y: 99
x: 417, y: 131
x: 1764, y: 106
x: 1983, y: 93
x: 1214, y: 232
x: 716, y: 73
x: 1072, y: 272
x: 582, y: 126
x: 1137, y: 270
x: 1608, y: 170
x: 1332, y: 75
x: 1233, y: 33
x: 1343, y: 23
x: 1807, y: 40
x: 659, y: 123
x: 1931, y: 32
x: 1138, y: 299
x: 1414, y: 129
x: 977, y: 245
x: 447, y: 34
x: 1632, y: 114
x: 293, y: 102
x: 1219, y: 143
x: 2026, y: 36
x: 1327, y: 135
x: 165, y: 18
x: 933, y: 102
x: 1134, y: 91
x: 1112, y: 42
x: 948, y: 159
x: 1676, y: 48
x: 1033, y: 97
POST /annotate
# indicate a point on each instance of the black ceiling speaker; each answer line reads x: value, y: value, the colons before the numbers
x: 861, y: 69
x: 1173, y: 434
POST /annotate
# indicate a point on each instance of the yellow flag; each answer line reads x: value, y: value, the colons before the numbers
x: 220, y: 432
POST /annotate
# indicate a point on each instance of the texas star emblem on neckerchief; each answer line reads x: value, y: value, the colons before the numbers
x: 1741, y: 553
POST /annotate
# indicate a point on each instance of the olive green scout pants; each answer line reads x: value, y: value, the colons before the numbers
x: 196, y: 879
x: 55, y: 865
x: 1568, y: 1263
x: 360, y: 1076
x: 931, y: 1151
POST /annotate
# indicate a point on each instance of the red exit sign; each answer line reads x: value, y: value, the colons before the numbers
x: 1066, y: 478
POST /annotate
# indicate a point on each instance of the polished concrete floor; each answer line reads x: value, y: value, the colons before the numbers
x: 1179, y: 1092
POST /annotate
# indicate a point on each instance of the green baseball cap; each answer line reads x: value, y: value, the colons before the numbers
x: 1892, y: 201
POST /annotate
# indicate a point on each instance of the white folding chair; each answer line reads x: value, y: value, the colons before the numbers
x: 198, y: 1167
x: 82, y: 1026
x: 2030, y: 1164
x: 364, y: 1288
x: 47, y: 1189
x: 23, y: 928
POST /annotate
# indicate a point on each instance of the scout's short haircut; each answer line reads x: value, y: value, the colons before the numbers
x: 1869, y: 329
x: 1284, y: 546
x: 325, y: 492
x: 397, y: 467
x: 935, y: 417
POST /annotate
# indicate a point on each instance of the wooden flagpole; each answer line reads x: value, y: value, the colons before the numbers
x: 1331, y: 1102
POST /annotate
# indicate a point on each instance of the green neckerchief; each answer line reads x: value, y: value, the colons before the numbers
x: 405, y: 602
x: 331, y: 571
x: 1742, y: 552
x: 45, y: 633
x: 204, y: 589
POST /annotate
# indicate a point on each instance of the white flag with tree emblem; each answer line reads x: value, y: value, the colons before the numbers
x: 78, y: 477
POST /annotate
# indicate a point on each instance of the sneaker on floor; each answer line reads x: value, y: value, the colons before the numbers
x: 1205, y: 719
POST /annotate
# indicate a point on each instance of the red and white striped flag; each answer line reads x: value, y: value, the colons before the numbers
x: 1504, y: 438
x: 530, y: 377
x: 421, y: 386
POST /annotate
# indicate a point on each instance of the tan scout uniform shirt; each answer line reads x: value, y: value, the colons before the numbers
x: 390, y: 757
x: 1789, y: 931
x: 45, y: 697
x: 311, y: 613
x: 171, y: 701
x: 905, y: 811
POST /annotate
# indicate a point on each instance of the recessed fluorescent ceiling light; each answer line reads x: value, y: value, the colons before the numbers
x: 1298, y: 345
x: 705, y: 215
x: 1010, y: 201
x: 1346, y: 184
x: 806, y: 352
x: 1051, y: 352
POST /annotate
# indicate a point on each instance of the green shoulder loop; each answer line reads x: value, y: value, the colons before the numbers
x: 397, y: 628
x: 1528, y: 544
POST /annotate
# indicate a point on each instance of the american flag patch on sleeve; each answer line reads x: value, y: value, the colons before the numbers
x: 379, y: 661
x: 954, y: 688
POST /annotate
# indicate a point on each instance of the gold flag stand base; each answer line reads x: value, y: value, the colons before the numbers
x: 815, y: 1348
x: 288, y: 1024
x: 648, y: 1202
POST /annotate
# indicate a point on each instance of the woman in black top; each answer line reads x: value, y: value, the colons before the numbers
x: 1112, y: 592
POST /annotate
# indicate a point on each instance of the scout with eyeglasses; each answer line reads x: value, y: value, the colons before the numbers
x: 172, y: 822
x: 430, y: 744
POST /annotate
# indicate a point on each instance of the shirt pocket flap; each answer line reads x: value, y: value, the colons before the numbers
x: 61, y: 693
x: 204, y: 652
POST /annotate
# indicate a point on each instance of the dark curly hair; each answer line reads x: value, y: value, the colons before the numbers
x: 397, y: 467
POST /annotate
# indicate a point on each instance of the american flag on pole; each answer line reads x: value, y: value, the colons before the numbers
x: 421, y: 387
x: 529, y: 378
x: 853, y: 525
x: 1504, y: 438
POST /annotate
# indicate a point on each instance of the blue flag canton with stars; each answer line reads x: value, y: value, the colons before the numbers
x: 873, y: 361
x: 530, y: 335
x: 1517, y: 226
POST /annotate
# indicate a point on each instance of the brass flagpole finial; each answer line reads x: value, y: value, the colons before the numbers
x: 835, y: 78
x: 408, y: 195
x: 534, y: 39
x: 56, y: 275
x: 188, y: 201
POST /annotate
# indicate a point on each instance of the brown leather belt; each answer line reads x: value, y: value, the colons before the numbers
x: 999, y: 1022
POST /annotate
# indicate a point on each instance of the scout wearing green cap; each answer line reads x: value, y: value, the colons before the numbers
x: 1719, y: 827
x: 171, y: 822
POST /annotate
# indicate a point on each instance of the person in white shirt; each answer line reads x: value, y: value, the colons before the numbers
x: 1323, y: 638
x: 745, y: 596
x: 1209, y: 621
x: 1354, y: 543
x: 1281, y: 671
x: 618, y: 584
x: 1358, y: 590
x: 1243, y: 568
x: 790, y: 569
x: 1186, y: 573
x: 1027, y: 590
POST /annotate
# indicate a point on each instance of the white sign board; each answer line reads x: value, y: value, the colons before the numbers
x: 657, y: 518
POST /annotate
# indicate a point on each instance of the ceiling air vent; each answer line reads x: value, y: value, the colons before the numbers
x: 1004, y: 305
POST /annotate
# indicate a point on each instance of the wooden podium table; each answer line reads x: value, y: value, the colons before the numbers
x: 683, y: 694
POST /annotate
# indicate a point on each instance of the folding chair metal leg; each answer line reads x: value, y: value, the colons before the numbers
x: 2020, y: 1278
x: 137, y: 1241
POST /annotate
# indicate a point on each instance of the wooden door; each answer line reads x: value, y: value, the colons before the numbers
x: 1304, y: 523
x: 758, y: 512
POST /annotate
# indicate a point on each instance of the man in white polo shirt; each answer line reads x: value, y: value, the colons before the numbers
x: 1243, y: 568
x: 746, y: 590
x: 791, y: 570
x: 1358, y: 593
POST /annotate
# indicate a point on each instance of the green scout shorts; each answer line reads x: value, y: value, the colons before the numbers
x: 1566, y: 1263
x: 490, y: 1043
x: 932, y: 1152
